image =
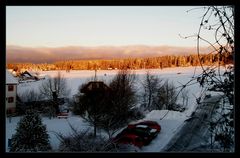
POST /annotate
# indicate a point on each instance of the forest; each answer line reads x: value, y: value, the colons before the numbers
x: 129, y: 63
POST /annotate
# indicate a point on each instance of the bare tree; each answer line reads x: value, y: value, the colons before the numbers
x: 92, y: 107
x: 110, y: 124
x: 83, y: 141
x: 30, y: 95
x: 121, y: 103
x: 78, y: 141
x: 212, y: 77
x: 123, y: 87
x: 111, y: 110
x: 219, y: 21
x: 184, y: 96
x: 56, y: 84
x: 52, y: 89
x: 151, y: 86
x: 123, y: 97
x: 167, y: 97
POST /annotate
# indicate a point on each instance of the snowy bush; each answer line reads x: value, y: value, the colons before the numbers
x: 78, y: 141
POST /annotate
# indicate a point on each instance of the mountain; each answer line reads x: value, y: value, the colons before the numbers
x: 19, y: 54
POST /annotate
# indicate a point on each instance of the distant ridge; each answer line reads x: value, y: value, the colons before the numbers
x: 19, y: 54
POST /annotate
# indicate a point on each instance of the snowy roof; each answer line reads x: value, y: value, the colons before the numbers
x: 27, y: 75
x: 10, y: 79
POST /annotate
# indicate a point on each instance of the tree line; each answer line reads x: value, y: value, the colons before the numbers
x: 130, y: 63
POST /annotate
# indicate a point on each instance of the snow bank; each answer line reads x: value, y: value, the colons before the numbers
x: 166, y: 114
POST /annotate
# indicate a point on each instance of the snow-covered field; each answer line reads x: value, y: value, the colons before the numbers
x: 76, y: 78
x: 170, y: 121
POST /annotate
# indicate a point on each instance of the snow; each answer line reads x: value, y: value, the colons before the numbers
x: 170, y: 121
x: 10, y: 79
x: 169, y: 126
x: 166, y: 114
x: 54, y: 126
x: 76, y: 78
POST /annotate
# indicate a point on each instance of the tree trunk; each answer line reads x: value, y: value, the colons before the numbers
x: 95, y: 130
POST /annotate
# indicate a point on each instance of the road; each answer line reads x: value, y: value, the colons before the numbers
x: 195, y: 132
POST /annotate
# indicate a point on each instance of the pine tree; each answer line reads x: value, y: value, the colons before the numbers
x: 31, y: 135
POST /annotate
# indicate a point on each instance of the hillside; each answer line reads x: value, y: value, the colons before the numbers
x: 18, y: 54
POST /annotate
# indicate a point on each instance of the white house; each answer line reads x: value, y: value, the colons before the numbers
x: 11, y: 92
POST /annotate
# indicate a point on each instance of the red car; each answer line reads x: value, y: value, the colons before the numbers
x: 151, y: 124
x: 63, y: 114
x: 126, y: 138
x: 138, y: 134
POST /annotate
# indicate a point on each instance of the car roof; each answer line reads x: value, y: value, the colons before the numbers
x: 147, y: 121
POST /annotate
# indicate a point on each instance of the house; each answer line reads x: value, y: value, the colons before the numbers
x: 36, y: 75
x: 11, y: 92
x: 28, y: 76
x: 95, y: 86
x: 13, y: 72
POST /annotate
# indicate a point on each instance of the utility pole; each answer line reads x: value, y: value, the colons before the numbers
x: 95, y: 77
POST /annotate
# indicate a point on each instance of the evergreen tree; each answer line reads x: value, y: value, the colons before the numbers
x: 31, y: 135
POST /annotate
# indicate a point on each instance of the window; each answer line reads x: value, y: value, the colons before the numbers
x: 10, y: 100
x: 10, y: 87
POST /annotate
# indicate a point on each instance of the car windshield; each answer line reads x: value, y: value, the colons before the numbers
x: 141, y: 131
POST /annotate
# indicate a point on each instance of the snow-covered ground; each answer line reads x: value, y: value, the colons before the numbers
x: 170, y: 121
x: 170, y: 124
x: 76, y: 78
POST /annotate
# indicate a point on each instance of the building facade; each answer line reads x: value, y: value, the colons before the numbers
x: 11, y: 92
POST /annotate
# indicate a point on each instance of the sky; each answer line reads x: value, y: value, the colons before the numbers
x: 58, y: 26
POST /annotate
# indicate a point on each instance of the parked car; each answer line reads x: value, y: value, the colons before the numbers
x: 145, y: 132
x: 127, y: 138
x: 63, y: 114
x: 138, y: 134
x: 151, y: 124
